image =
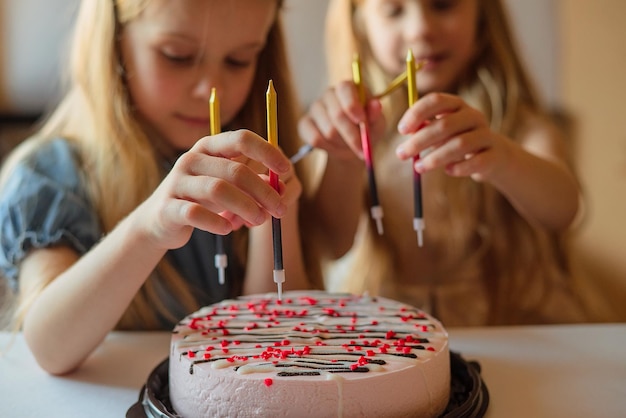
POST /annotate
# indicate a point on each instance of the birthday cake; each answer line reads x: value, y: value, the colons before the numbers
x: 310, y: 354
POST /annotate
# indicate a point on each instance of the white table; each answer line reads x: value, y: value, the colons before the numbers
x: 535, y: 371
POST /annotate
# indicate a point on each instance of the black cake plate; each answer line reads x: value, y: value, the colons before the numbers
x: 469, y: 397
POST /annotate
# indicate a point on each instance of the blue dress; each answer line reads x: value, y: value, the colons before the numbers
x: 44, y: 202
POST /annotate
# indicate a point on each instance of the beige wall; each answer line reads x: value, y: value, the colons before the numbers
x: 33, y: 36
x: 593, y: 85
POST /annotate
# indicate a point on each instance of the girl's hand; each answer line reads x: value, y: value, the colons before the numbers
x: 290, y: 190
x: 207, y: 182
x: 332, y: 122
x: 457, y: 136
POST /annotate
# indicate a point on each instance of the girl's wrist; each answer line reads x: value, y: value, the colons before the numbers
x: 135, y: 231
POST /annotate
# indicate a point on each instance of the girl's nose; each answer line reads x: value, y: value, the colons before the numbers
x: 418, y: 23
x: 204, y: 83
x: 202, y: 88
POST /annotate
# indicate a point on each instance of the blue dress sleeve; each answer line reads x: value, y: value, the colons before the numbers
x: 44, y: 202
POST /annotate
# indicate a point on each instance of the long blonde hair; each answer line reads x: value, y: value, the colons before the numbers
x: 473, y: 228
x: 96, y: 116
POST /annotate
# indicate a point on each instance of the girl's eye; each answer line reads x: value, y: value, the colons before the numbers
x: 392, y: 10
x: 443, y: 5
x: 177, y: 58
x: 239, y: 63
x: 176, y: 54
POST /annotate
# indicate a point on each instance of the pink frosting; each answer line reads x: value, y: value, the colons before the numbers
x: 311, y: 354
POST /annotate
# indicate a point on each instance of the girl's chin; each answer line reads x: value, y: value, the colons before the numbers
x: 188, y: 136
x: 178, y: 145
x: 431, y: 83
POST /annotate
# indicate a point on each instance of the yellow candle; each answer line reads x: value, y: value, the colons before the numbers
x: 358, y: 78
x: 214, y: 113
x: 410, y: 78
x: 272, y: 124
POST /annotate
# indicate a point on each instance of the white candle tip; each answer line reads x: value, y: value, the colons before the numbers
x: 221, y: 262
x: 377, y: 215
x: 419, y: 226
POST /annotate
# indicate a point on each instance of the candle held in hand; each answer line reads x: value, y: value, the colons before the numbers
x: 221, y: 260
x: 376, y: 209
x: 418, y: 217
x: 272, y: 137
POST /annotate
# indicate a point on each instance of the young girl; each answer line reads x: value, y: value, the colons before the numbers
x: 497, y: 187
x: 108, y: 214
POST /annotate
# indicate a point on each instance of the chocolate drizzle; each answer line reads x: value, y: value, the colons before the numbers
x: 307, y: 336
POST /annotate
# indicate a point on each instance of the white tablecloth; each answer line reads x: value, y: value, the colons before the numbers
x: 538, y: 371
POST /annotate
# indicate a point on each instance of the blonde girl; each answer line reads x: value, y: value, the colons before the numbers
x: 498, y: 190
x: 108, y: 214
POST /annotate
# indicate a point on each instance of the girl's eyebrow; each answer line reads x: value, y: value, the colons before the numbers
x: 252, y: 45
x: 181, y: 35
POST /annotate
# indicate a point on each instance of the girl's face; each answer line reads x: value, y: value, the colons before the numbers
x: 442, y: 33
x: 176, y: 51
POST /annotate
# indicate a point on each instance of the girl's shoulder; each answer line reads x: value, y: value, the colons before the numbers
x: 52, y: 159
x: 43, y: 202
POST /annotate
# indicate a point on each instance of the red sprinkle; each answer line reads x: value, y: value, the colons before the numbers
x: 268, y: 382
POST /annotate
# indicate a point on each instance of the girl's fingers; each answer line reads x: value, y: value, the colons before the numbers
x: 235, y: 221
x: 440, y: 130
x: 345, y: 122
x: 428, y: 108
x: 337, y: 127
x: 193, y: 215
x: 349, y: 101
x: 474, y: 166
x: 218, y: 195
x: 233, y: 144
x: 455, y: 150
x: 223, y: 184
x: 332, y: 128
x: 375, y: 118
x: 290, y: 189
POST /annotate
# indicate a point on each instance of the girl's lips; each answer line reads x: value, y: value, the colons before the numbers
x: 194, y: 121
x: 430, y: 61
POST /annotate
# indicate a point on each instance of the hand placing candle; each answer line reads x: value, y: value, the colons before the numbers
x: 221, y: 260
x: 376, y: 209
x: 272, y: 137
x: 302, y: 152
x: 418, y: 217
